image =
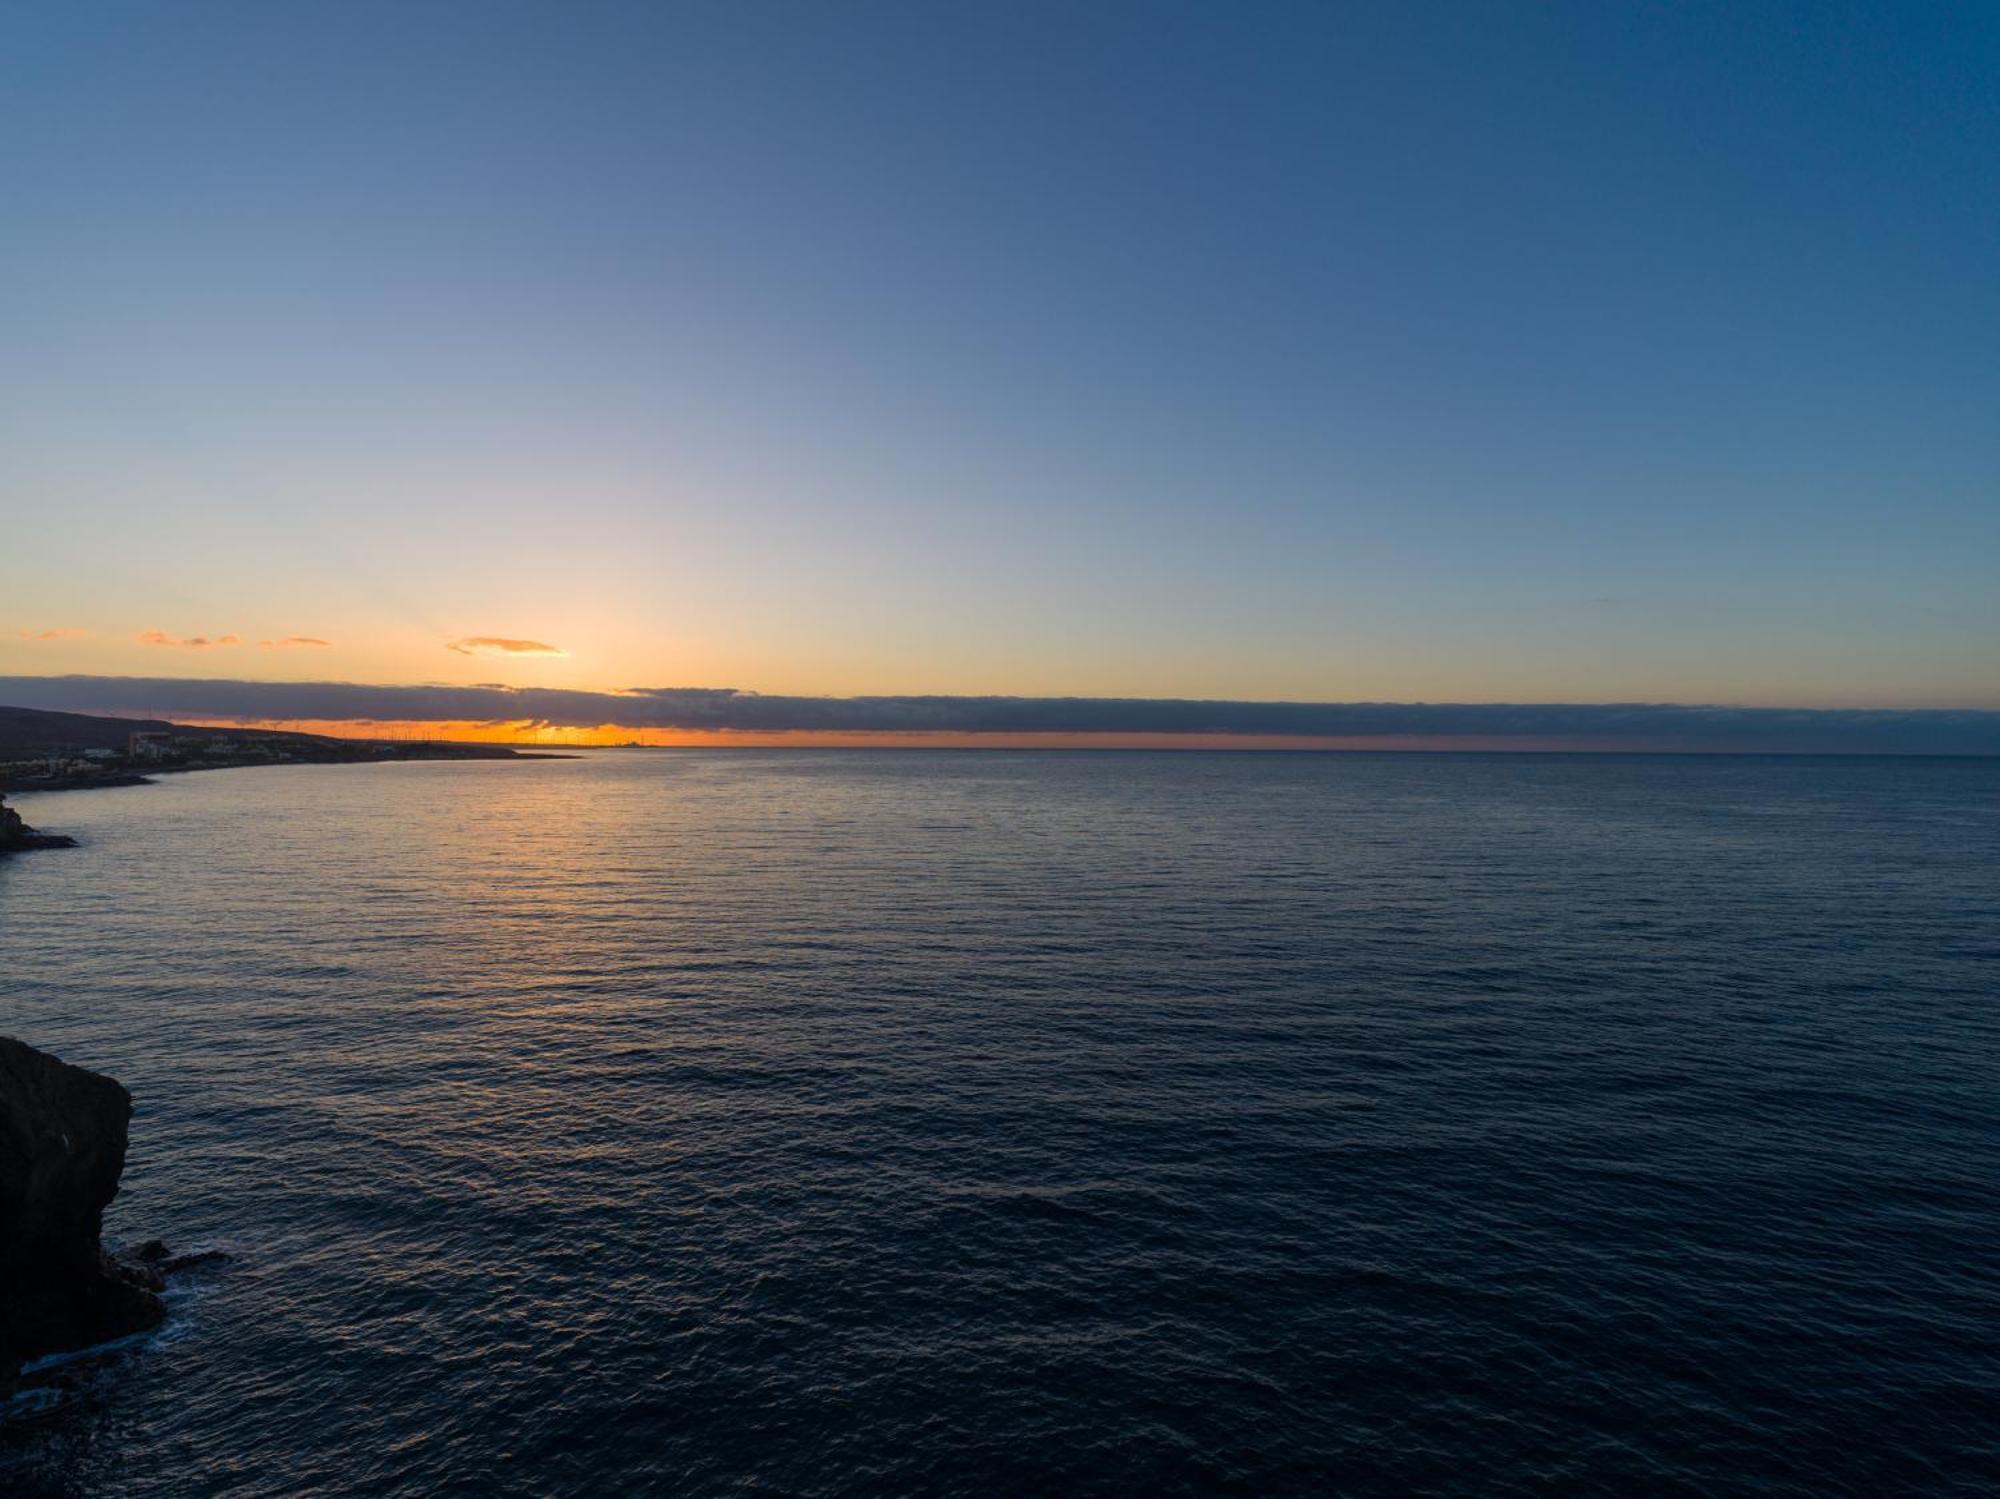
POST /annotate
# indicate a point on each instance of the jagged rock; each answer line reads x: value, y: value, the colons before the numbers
x: 16, y: 834
x: 145, y: 1277
x: 62, y: 1147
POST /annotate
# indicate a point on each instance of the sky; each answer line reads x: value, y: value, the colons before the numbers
x: 1562, y: 354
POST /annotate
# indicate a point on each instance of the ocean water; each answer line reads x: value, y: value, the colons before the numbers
x: 865, y: 1123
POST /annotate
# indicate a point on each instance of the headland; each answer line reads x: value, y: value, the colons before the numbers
x: 43, y: 751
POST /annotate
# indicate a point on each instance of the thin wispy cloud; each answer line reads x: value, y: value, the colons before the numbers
x: 65, y: 634
x: 501, y: 645
x: 190, y: 643
x: 292, y: 642
x: 1655, y: 726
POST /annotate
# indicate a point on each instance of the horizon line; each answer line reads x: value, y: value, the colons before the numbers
x: 496, y: 713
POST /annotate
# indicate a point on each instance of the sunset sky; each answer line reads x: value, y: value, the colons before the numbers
x: 1569, y: 353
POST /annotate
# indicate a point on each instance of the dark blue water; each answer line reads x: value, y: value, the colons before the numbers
x: 887, y: 1123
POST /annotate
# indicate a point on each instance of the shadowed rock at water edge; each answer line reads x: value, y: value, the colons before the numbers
x: 62, y: 1148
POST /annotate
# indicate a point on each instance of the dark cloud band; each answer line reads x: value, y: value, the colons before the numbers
x: 1639, y: 725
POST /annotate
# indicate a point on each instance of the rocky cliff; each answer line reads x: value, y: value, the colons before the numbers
x: 62, y: 1147
x: 16, y: 834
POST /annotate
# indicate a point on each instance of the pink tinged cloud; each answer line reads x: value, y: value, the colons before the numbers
x: 500, y: 645
x: 192, y: 643
x: 291, y: 642
x: 53, y: 634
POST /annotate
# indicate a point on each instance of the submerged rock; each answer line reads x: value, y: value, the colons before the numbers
x: 194, y: 1261
x: 62, y: 1148
x: 16, y: 834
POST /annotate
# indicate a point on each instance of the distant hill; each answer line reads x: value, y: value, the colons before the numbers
x: 30, y: 731
x: 27, y: 731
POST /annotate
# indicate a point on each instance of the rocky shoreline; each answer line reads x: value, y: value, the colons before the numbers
x: 75, y: 782
x: 16, y: 836
x: 62, y: 1149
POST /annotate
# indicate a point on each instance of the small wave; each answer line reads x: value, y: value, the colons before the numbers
x: 96, y: 1350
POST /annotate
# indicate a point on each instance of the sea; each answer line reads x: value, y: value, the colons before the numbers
x: 891, y: 1122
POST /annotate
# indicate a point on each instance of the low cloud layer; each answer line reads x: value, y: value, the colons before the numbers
x: 291, y: 642
x: 501, y: 645
x: 64, y: 634
x: 1617, y: 725
x: 191, y: 643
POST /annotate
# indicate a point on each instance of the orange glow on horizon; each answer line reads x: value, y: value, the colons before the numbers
x: 529, y: 735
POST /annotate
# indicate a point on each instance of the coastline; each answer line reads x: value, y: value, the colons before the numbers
x: 19, y: 785
x: 16, y: 836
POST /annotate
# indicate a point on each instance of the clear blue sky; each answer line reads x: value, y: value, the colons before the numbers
x: 1575, y: 352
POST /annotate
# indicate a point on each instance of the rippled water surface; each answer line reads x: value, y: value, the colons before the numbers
x: 833, y: 1123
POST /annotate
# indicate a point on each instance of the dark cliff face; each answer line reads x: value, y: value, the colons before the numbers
x: 62, y: 1147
